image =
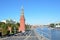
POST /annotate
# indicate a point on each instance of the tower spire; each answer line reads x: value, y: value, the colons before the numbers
x: 22, y: 10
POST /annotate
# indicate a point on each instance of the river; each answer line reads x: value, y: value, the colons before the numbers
x: 52, y: 34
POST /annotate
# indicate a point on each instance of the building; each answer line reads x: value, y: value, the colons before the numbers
x: 22, y: 21
x: 58, y: 25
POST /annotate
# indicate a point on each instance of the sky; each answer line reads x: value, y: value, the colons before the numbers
x: 35, y: 11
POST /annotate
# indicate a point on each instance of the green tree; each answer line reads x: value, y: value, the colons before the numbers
x: 52, y: 25
x: 27, y: 27
x: 17, y: 26
x: 10, y: 23
x: 4, y: 28
x: 59, y: 23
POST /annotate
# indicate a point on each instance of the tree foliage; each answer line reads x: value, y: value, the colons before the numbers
x: 27, y: 27
x: 52, y: 25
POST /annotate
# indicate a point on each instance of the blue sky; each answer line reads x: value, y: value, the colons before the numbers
x: 35, y: 11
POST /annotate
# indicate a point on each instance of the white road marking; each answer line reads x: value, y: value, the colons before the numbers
x: 27, y: 36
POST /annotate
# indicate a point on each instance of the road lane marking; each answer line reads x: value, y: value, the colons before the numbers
x: 27, y: 36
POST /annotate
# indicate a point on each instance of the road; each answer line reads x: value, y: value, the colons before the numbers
x: 31, y: 36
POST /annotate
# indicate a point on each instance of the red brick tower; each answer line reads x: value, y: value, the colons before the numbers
x: 22, y: 21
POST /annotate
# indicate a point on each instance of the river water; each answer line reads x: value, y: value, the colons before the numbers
x: 52, y: 34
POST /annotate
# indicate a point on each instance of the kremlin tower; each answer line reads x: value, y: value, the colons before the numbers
x: 22, y: 21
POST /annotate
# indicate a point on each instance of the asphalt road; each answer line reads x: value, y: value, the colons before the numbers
x: 31, y: 36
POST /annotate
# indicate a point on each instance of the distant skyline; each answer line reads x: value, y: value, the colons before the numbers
x: 35, y: 11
